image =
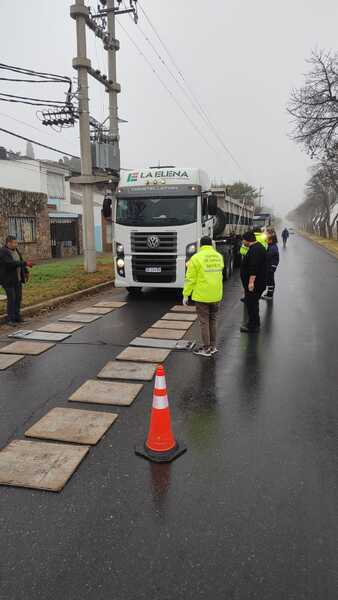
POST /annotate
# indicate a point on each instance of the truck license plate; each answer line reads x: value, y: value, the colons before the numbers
x: 153, y: 270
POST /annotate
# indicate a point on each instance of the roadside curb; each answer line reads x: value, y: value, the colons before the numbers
x: 310, y: 239
x: 59, y: 300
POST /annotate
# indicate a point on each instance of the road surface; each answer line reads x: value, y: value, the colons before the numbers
x: 250, y: 511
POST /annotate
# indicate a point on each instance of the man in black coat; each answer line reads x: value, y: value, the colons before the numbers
x: 13, y: 274
x: 253, y: 276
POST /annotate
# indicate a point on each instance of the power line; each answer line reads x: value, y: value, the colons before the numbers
x: 194, y: 100
x: 168, y: 90
x: 21, y: 137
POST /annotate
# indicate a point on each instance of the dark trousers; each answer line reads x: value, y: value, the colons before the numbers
x: 252, y: 304
x: 14, y: 297
x: 207, y: 316
x: 271, y: 283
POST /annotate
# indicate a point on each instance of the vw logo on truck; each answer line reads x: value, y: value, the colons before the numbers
x: 153, y: 241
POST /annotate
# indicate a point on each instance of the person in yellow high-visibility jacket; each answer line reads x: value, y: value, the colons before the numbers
x: 204, y: 284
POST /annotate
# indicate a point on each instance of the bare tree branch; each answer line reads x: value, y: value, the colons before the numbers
x: 314, y: 107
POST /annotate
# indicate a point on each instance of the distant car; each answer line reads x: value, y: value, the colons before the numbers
x: 291, y: 230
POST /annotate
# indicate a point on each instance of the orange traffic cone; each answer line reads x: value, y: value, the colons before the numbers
x: 160, y: 445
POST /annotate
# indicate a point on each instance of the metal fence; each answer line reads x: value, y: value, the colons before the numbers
x: 24, y: 228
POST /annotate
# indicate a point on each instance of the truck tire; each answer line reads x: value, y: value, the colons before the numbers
x: 220, y: 222
x: 134, y: 291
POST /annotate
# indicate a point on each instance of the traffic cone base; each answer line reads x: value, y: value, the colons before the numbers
x: 161, y: 457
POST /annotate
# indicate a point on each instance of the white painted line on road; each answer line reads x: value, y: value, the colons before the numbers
x: 179, y: 317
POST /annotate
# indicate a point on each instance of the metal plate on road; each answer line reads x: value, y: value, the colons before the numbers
x: 183, y: 309
x: 164, y: 334
x: 120, y: 369
x: 72, y: 425
x: 178, y: 325
x: 39, y: 465
x: 157, y: 343
x: 179, y: 317
x: 77, y: 318
x: 60, y: 327
x: 107, y: 392
x: 7, y: 360
x: 43, y: 336
x: 111, y: 304
x: 25, y: 347
x: 95, y: 310
x: 150, y: 355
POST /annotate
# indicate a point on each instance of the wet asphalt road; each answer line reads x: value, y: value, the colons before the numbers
x: 250, y: 511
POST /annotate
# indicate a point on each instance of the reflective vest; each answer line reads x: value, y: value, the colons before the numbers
x: 261, y: 238
x: 204, y: 276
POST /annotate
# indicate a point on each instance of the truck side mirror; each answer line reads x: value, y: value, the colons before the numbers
x: 212, y: 205
x: 107, y: 208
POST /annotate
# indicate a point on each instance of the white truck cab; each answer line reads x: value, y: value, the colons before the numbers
x: 159, y: 216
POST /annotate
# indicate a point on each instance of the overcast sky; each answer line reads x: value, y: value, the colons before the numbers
x: 240, y: 58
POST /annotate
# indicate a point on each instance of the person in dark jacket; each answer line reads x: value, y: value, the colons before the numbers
x: 13, y: 274
x: 285, y: 236
x: 273, y: 262
x: 253, y: 276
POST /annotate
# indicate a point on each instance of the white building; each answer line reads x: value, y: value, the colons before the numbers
x: 50, y: 178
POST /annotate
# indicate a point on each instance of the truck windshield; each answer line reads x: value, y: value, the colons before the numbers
x: 156, y: 212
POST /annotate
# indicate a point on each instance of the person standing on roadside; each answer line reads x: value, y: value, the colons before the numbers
x: 13, y: 274
x: 273, y: 262
x: 285, y: 236
x: 204, y: 284
x: 253, y: 276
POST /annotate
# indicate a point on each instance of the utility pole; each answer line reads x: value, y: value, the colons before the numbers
x: 101, y: 150
x: 81, y: 63
x: 114, y: 90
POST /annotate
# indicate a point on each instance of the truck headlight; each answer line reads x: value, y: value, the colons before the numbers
x: 191, y: 249
x: 119, y: 248
x: 120, y: 263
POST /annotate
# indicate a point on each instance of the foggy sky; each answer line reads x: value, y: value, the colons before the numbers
x: 240, y: 57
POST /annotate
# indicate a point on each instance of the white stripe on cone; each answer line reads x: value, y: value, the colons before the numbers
x: 160, y: 402
x: 160, y: 383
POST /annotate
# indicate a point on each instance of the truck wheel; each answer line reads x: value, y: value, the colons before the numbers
x: 220, y: 222
x: 134, y: 291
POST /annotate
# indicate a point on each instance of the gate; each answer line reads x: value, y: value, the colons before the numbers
x: 64, y: 237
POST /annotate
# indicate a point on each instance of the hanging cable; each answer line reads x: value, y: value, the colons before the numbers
x: 22, y: 137
x: 192, y: 96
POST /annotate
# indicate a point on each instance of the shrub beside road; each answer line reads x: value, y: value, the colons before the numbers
x: 61, y: 277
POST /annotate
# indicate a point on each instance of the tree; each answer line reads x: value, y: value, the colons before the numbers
x: 242, y: 191
x: 321, y: 197
x: 314, y: 107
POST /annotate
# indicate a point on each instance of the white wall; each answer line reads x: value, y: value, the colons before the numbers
x: 25, y: 175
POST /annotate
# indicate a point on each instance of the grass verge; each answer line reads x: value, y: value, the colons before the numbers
x: 61, y: 277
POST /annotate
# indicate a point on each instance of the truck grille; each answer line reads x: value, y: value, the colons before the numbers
x: 145, y: 241
x: 167, y: 264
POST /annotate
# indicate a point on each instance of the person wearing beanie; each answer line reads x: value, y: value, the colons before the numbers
x: 253, y: 276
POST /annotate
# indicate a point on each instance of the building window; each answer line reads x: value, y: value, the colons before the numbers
x: 24, y: 228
